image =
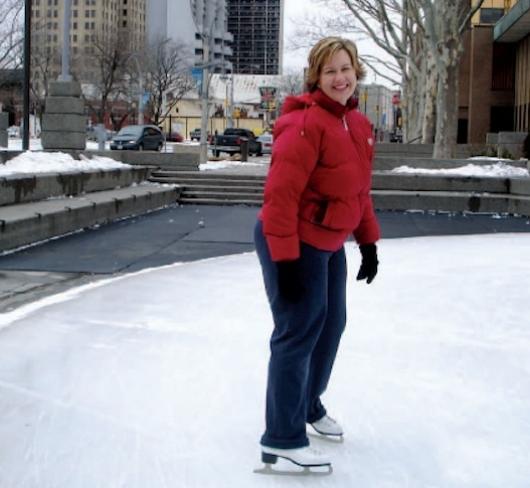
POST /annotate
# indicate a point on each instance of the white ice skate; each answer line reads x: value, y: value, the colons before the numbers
x: 312, y: 461
x: 328, y: 429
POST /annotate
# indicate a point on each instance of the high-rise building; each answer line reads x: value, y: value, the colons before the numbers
x: 184, y: 21
x: 257, y: 27
x: 93, y: 22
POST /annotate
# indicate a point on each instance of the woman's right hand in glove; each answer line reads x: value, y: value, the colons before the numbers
x: 290, y: 282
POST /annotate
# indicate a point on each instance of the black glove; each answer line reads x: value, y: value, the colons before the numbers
x: 290, y: 280
x: 369, y: 263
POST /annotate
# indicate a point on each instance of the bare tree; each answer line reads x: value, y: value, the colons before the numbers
x: 385, y: 23
x: 102, y: 67
x: 292, y: 83
x: 167, y: 77
x: 425, y: 39
x: 11, y: 33
x: 45, y: 63
x: 444, y: 24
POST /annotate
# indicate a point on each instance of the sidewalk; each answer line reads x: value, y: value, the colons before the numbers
x: 183, y: 233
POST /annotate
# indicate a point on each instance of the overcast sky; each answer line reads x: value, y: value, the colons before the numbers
x: 296, y: 10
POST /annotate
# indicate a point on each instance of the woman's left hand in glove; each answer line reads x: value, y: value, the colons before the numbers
x: 369, y: 263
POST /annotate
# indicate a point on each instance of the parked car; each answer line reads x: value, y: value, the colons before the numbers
x: 139, y: 138
x: 13, y: 131
x: 396, y: 136
x: 230, y: 142
x: 195, y: 135
x: 92, y: 133
x: 266, y: 143
x: 174, y: 137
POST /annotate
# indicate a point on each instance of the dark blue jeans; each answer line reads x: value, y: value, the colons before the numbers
x: 304, y: 342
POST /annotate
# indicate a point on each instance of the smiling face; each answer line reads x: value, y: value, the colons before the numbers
x: 337, y: 77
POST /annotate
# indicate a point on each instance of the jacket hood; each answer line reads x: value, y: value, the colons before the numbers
x: 296, y: 102
x: 318, y: 97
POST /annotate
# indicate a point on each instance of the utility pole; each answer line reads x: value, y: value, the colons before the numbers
x: 231, y: 102
x: 140, y: 90
x: 27, y: 74
x: 205, y: 109
x: 205, y: 26
x: 65, y: 57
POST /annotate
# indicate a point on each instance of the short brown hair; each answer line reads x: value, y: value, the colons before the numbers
x: 322, y: 51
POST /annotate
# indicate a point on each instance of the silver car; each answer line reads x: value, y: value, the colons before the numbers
x: 266, y: 143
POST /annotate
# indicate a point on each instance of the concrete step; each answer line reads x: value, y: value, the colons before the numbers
x: 221, y: 195
x: 448, y: 201
x: 382, y: 180
x: 178, y: 176
x: 422, y: 182
x: 462, y: 150
x: 442, y: 201
x: 21, y: 188
x: 392, y: 191
x: 228, y: 188
x: 184, y: 157
x: 27, y: 223
x: 208, y: 181
x: 385, y: 162
x: 217, y: 201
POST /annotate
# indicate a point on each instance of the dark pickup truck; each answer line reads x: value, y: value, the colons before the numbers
x: 230, y: 142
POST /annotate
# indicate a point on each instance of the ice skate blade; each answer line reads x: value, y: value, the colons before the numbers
x: 306, y: 471
x: 333, y: 439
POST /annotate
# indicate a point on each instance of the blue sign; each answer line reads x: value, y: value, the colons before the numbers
x: 196, y: 74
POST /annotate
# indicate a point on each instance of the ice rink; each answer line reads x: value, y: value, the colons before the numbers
x: 156, y: 379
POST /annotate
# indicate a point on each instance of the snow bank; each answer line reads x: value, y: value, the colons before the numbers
x: 227, y: 164
x: 44, y: 162
x: 499, y: 169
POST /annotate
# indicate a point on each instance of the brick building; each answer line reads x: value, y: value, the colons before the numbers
x: 495, y: 71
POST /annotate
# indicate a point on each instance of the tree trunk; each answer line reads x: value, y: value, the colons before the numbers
x: 429, y: 114
x: 446, y: 113
x: 413, y: 107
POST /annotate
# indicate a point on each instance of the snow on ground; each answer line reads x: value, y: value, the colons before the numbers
x: 157, y: 379
x: 32, y: 162
x: 229, y: 164
x: 498, y: 169
x: 15, y: 144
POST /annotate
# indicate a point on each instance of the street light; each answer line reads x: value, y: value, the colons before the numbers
x: 140, y: 89
x: 65, y: 56
x: 27, y: 73
x: 230, y: 122
x: 206, y: 31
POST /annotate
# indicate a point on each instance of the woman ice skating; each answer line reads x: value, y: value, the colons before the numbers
x: 317, y: 194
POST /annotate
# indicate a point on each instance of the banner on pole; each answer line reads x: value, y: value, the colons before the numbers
x: 196, y: 74
x: 268, y: 97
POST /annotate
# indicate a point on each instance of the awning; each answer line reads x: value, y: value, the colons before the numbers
x: 515, y: 25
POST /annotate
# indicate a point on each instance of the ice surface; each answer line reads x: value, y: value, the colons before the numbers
x: 157, y: 379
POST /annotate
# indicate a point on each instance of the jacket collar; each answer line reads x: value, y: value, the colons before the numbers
x: 332, y: 106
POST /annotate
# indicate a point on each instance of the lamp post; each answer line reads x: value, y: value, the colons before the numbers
x: 65, y: 56
x: 140, y: 89
x: 27, y: 74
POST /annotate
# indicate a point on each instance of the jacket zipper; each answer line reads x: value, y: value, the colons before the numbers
x: 344, y: 122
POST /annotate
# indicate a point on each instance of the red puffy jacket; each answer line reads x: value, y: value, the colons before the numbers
x: 318, y: 187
